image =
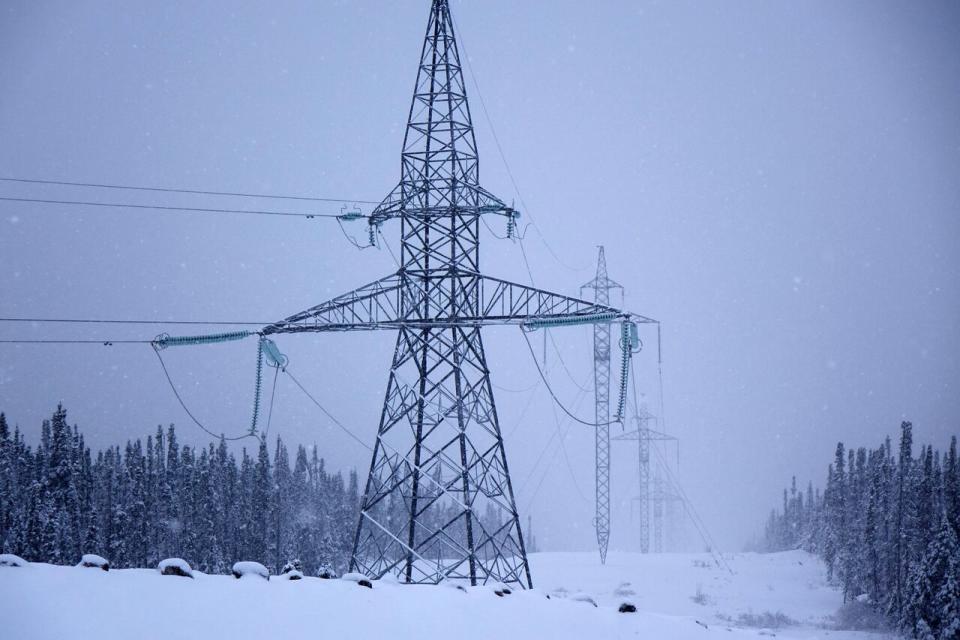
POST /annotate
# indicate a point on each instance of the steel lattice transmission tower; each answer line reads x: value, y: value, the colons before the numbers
x: 601, y: 285
x: 644, y: 436
x: 439, y: 469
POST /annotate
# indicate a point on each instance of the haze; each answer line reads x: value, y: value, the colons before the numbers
x: 776, y: 182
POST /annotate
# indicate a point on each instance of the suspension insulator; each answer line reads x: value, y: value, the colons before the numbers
x: 626, y: 350
x: 372, y: 232
x: 256, y: 388
x: 591, y: 318
x: 274, y: 358
x: 512, y: 217
x: 164, y: 340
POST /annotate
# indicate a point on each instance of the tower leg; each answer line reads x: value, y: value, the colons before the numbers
x: 438, y: 476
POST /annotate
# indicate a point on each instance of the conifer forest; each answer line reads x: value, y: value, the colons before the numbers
x: 887, y: 525
x: 149, y: 500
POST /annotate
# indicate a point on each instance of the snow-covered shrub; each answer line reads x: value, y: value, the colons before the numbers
x: 293, y: 570
x: 326, y: 572
x: 247, y: 568
x: 627, y: 607
x: 359, y: 578
x: 10, y: 560
x: 500, y: 589
x: 624, y: 589
x: 700, y: 597
x: 293, y: 565
x: 859, y: 615
x: 766, y: 620
x: 93, y: 561
x: 175, y: 567
x: 583, y: 597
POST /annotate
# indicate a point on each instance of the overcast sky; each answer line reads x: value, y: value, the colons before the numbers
x: 778, y: 183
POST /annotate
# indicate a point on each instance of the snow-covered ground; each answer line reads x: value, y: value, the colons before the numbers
x: 677, y: 596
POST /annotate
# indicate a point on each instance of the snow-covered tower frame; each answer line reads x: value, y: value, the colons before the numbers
x: 601, y: 285
x: 438, y: 459
x: 644, y: 436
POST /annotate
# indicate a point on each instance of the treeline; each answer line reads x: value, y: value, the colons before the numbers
x: 887, y: 526
x: 147, y: 501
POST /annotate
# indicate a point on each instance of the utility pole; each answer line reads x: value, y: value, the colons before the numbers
x: 601, y: 285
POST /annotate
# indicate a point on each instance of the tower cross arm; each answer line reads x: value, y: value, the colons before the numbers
x: 409, y: 198
x: 372, y: 306
x: 409, y: 300
x: 507, y: 302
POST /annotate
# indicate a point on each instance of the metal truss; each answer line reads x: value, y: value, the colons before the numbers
x: 601, y: 286
x: 438, y: 501
x: 644, y: 435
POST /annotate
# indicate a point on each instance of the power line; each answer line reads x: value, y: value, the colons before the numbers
x: 112, y: 321
x: 172, y: 190
x: 105, y: 343
x: 554, y: 395
x: 156, y: 207
x: 503, y: 157
x: 176, y: 393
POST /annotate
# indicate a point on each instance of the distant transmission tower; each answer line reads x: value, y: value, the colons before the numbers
x: 439, y: 461
x: 601, y: 285
x: 644, y: 436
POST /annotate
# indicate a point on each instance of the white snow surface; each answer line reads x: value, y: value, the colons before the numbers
x: 42, y: 601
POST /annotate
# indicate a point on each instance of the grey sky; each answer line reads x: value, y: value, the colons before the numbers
x: 777, y: 182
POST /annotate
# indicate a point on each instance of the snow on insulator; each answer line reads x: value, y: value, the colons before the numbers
x: 164, y: 340
x: 625, y: 352
x: 274, y: 358
x: 587, y: 318
x: 353, y: 213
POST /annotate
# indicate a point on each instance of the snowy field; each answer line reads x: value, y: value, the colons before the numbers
x: 677, y: 596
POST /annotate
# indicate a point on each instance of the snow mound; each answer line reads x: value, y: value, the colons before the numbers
x: 246, y: 568
x: 359, y: 578
x: 10, y: 560
x: 93, y: 561
x: 175, y: 567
